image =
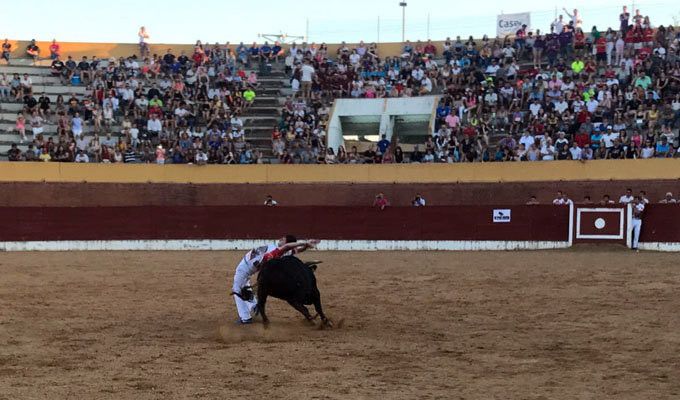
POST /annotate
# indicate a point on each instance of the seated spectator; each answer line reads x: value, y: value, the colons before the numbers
x: 32, y: 50
x: 14, y: 153
x: 532, y: 201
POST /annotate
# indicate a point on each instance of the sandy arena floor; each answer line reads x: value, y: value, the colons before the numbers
x: 579, y: 324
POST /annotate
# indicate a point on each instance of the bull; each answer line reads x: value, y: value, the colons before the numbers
x: 290, y: 279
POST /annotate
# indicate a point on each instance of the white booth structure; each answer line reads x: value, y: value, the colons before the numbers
x: 371, y: 118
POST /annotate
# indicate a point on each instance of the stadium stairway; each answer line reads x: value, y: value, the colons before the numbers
x: 259, y: 119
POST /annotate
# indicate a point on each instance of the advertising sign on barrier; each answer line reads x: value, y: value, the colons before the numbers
x: 501, y: 215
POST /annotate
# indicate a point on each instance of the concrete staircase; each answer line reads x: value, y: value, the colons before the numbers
x: 259, y: 120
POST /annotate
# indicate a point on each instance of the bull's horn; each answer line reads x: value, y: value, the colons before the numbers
x: 314, y: 262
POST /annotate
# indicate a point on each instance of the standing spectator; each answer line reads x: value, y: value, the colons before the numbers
x: 383, y: 144
x: 558, y: 201
x: 381, y: 201
x: 269, y: 201
x: 636, y: 223
x: 54, y: 50
x: 418, y: 201
x: 627, y: 198
x: 307, y: 74
x: 143, y: 36
x: 6, y: 50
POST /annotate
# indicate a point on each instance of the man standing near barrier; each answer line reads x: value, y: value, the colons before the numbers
x: 636, y: 223
x: 249, y: 265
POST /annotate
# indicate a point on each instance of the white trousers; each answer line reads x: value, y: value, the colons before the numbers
x: 241, y: 280
x: 636, y: 225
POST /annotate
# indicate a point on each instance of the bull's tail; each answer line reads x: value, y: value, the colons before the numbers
x: 247, y: 293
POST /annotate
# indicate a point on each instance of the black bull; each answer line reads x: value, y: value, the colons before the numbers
x: 292, y: 280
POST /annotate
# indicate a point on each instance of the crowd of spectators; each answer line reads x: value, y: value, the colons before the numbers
x: 563, y: 95
x: 534, y: 96
x: 171, y: 108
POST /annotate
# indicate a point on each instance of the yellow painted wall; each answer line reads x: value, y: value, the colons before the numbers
x: 405, y: 173
x: 107, y: 50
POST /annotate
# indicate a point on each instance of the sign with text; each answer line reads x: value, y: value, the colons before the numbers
x: 501, y: 215
x: 509, y: 24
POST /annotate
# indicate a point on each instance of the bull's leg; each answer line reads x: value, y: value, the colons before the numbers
x: 319, y: 310
x: 300, y: 307
x: 261, y: 302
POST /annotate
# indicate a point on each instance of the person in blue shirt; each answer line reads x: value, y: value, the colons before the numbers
x: 595, y: 140
x: 662, y: 147
x: 276, y: 50
x: 266, y: 52
x: 383, y: 144
x: 254, y: 52
x: 443, y: 110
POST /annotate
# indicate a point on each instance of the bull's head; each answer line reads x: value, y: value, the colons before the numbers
x: 312, y: 264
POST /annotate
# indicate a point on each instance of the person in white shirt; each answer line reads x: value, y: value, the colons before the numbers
x: 154, y: 126
x: 668, y: 199
x: 627, y: 198
x: 535, y: 107
x: 201, y: 158
x: 307, y: 73
x: 561, y: 106
x: 418, y: 201
x: 576, y: 152
x: 81, y: 157
x: 559, y: 200
x: 547, y: 150
x: 527, y: 139
x: 425, y: 85
x: 636, y: 222
x: 561, y: 140
x: 592, y: 105
x: 249, y: 265
x: 609, y: 137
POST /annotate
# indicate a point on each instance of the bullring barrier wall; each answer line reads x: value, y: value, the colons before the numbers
x: 342, y: 228
x: 489, y: 227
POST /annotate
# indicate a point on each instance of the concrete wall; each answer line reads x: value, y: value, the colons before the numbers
x: 553, y: 171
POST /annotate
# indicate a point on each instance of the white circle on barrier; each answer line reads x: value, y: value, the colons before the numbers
x: 599, y: 223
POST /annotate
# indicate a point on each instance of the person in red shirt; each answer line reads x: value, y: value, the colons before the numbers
x: 381, y: 201
x: 601, y: 50
x: 54, y: 50
x: 582, y: 139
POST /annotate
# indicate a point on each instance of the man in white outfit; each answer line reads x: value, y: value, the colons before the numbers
x: 636, y: 223
x: 250, y: 264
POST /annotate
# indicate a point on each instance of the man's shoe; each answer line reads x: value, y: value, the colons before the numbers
x: 244, y: 321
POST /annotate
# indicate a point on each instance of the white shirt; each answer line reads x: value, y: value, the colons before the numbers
x: 307, y: 73
x: 535, y: 108
x: 82, y: 158
x: 638, y: 209
x: 154, y: 125
x: 576, y: 152
x: 625, y: 199
x: 249, y: 262
x: 526, y: 140
x: 592, y: 105
x: 609, y: 139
